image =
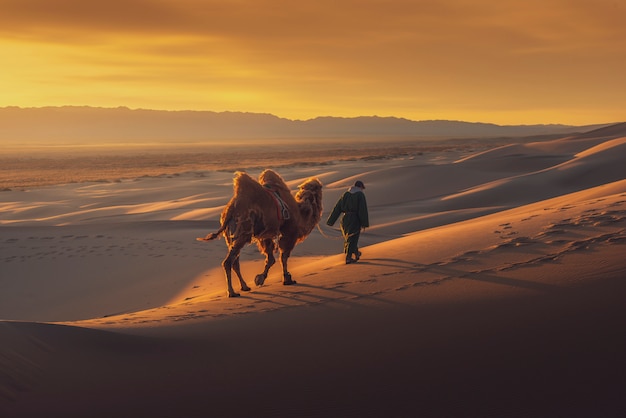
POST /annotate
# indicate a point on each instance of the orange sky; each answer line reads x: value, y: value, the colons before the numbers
x: 507, y: 62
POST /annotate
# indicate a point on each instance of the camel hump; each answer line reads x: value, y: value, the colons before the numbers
x: 271, y: 179
x: 244, y: 184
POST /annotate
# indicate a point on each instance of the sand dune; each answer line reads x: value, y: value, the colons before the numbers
x: 491, y: 285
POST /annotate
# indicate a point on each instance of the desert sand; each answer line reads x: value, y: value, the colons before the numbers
x: 491, y: 284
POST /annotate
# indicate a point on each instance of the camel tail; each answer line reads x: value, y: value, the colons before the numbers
x: 224, y: 221
x: 213, y: 235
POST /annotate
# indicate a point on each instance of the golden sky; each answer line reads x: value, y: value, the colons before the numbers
x: 501, y: 61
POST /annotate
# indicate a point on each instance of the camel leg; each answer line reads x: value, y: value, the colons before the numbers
x: 236, y: 267
x: 287, y: 280
x: 232, y: 256
x: 268, y: 249
x: 285, y: 251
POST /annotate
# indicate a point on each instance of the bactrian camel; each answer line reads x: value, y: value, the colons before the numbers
x: 265, y: 211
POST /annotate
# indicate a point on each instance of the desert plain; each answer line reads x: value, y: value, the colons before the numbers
x: 492, y: 284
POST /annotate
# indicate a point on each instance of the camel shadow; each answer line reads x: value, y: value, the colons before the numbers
x: 351, y: 295
x: 461, y: 274
x: 305, y: 298
x: 315, y: 295
x: 494, y: 279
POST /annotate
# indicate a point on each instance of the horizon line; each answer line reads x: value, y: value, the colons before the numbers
x: 123, y: 107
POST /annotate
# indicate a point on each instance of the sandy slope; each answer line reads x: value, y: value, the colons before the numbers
x: 491, y: 285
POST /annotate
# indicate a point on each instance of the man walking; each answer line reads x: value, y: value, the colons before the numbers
x: 355, y: 217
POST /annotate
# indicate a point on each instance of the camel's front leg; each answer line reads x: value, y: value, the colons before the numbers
x: 287, y: 280
x: 267, y: 247
x: 236, y: 267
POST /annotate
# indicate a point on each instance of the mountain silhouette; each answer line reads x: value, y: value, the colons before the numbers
x: 82, y: 124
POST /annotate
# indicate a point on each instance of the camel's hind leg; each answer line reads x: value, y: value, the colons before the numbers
x: 232, y: 260
x: 236, y: 267
x: 267, y: 248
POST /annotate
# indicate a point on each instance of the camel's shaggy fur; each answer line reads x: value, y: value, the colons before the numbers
x: 255, y: 213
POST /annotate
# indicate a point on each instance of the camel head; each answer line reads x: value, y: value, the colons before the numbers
x: 309, y: 199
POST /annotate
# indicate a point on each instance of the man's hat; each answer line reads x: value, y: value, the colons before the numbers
x: 360, y: 184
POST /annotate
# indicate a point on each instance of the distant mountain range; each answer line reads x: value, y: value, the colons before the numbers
x: 75, y: 124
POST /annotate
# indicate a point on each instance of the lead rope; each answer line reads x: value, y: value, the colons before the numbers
x: 328, y: 236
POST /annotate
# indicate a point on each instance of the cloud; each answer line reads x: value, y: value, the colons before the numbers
x: 40, y: 17
x: 323, y: 27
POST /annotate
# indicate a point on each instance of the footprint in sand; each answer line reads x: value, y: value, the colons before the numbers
x: 516, y: 242
x: 505, y: 227
x: 616, y: 239
x: 557, y: 242
x: 338, y: 285
x: 461, y: 259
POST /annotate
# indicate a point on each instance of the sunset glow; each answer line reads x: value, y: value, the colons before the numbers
x: 515, y: 62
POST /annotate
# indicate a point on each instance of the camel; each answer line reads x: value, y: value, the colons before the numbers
x: 265, y: 211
